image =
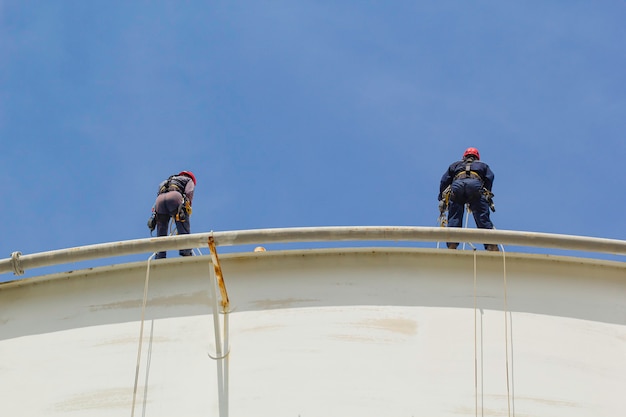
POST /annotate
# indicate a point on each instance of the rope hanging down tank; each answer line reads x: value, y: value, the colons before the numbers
x: 143, y: 315
x: 510, y: 399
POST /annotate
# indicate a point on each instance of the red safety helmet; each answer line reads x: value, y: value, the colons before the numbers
x: 190, y: 175
x: 471, y: 151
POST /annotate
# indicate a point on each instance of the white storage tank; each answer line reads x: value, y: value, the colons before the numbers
x: 376, y: 331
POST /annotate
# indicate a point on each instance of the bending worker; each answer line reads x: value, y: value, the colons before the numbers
x: 174, y: 199
x: 467, y: 181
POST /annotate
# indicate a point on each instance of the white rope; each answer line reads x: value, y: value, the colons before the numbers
x: 141, y: 332
x: 465, y: 226
x: 506, y: 333
x: 438, y: 223
x: 506, y: 336
x: 475, y: 341
x: 143, y: 312
x: 506, y: 330
x: 148, y: 361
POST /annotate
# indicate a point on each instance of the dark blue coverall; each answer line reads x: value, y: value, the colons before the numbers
x: 467, y: 189
x: 168, y: 201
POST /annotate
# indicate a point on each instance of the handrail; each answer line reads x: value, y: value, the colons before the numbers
x: 18, y: 262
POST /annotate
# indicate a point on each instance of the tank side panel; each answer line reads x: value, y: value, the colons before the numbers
x: 333, y: 332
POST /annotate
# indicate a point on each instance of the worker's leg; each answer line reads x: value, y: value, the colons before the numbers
x: 480, y: 210
x: 455, y: 219
x: 184, y: 228
x: 163, y: 221
x: 166, y: 206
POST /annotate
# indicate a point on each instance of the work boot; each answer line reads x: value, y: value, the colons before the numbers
x: 491, y: 247
x: 452, y: 245
x: 185, y: 252
x: 160, y: 255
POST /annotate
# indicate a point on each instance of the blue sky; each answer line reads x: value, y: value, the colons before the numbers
x: 306, y: 113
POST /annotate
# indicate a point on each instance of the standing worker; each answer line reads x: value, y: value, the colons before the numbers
x: 174, y: 199
x: 468, y: 181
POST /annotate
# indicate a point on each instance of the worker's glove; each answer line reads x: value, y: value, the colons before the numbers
x: 152, y: 222
x: 489, y: 197
x: 442, y: 206
x: 181, y: 214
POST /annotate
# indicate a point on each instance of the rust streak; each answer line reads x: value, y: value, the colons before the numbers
x: 218, y: 273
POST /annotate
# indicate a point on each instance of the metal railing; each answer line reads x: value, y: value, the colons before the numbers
x: 18, y: 263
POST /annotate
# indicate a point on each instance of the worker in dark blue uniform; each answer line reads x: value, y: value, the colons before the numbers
x: 174, y: 200
x: 468, y: 181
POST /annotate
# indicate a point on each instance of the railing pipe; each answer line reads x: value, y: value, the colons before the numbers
x: 18, y: 262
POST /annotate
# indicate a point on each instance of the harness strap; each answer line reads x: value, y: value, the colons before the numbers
x: 170, y: 186
x: 467, y: 174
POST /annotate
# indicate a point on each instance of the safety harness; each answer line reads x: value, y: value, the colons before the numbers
x: 446, y: 194
x: 172, y: 185
x: 184, y: 209
x: 468, y: 173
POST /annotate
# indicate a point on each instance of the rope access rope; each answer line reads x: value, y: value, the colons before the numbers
x: 506, y: 333
x: 465, y: 226
x: 475, y: 342
x: 506, y: 329
x: 143, y: 312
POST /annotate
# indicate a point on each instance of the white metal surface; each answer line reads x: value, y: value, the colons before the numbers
x: 334, y: 332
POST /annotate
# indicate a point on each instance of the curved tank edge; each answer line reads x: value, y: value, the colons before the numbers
x: 115, y: 268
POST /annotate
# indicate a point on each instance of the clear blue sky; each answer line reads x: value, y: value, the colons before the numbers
x: 306, y: 113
